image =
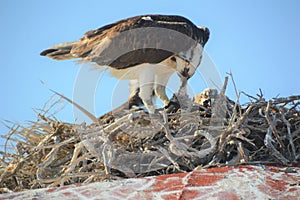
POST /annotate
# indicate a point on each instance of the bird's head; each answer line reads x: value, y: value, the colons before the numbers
x: 204, y: 33
x: 185, y: 69
x: 187, y: 62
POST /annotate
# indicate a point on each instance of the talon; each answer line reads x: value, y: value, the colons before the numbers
x: 172, y: 107
x: 135, y: 101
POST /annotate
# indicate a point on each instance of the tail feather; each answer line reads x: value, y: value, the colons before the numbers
x: 60, y: 52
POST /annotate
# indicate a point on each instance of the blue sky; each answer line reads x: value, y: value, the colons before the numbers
x: 258, y: 41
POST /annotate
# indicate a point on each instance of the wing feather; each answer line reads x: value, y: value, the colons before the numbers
x: 132, y: 41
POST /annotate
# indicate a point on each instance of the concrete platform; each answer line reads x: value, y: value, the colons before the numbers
x: 243, y: 182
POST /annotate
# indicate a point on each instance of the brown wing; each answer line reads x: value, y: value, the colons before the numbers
x: 140, y: 56
x: 136, y: 40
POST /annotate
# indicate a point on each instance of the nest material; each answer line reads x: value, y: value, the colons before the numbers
x: 129, y: 143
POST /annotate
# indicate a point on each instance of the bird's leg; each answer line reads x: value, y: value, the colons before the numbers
x: 134, y: 98
x: 146, y: 83
x: 160, y: 91
x: 160, y: 87
x: 146, y: 96
x: 133, y: 87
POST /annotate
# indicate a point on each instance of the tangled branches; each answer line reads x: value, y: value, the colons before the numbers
x: 131, y: 143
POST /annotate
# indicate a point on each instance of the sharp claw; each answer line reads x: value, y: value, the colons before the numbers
x: 172, y: 107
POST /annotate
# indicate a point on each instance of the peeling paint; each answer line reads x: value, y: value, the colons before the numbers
x: 243, y: 182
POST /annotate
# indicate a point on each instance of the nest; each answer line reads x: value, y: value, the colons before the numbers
x: 130, y: 143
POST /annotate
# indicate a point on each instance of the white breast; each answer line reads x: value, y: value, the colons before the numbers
x: 165, y: 68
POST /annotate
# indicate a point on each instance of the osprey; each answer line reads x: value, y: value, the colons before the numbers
x: 145, y: 49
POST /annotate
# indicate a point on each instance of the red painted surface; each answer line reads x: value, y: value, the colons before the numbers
x: 244, y: 182
x: 198, y: 178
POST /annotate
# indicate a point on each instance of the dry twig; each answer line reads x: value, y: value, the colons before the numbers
x: 128, y: 143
